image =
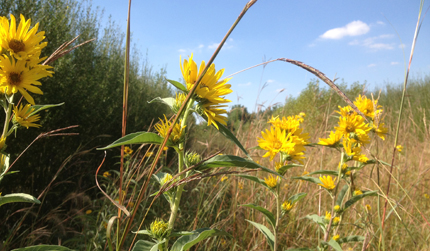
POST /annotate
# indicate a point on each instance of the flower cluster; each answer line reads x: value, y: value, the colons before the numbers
x: 20, y: 70
x: 210, y: 92
x: 353, y: 130
x: 285, y: 137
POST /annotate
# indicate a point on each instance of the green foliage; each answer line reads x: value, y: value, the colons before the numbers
x: 18, y: 197
x: 187, y: 241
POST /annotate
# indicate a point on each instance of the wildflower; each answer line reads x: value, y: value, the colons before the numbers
x: 426, y: 196
x: 368, y: 207
x: 127, y: 151
x: 241, y: 183
x: 210, y: 92
x: 159, y: 229
x: 224, y: 178
x: 167, y: 177
x: 367, y: 106
x: 336, y: 221
x: 179, y: 100
x: 357, y: 192
x: 278, y: 165
x: 344, y: 167
x: 163, y: 127
x: 106, y: 174
x: 15, y: 76
x: 399, y: 148
x: 287, y: 206
x: 275, y: 141
x: 21, y: 42
x: 327, y: 182
x: 333, y: 139
x: 348, y: 173
x: 354, y: 126
x: 88, y: 211
x: 336, y: 237
x: 327, y: 217
x: 149, y: 154
x: 23, y: 116
x: 271, y: 181
x: 192, y: 158
x: 380, y: 130
x: 337, y: 208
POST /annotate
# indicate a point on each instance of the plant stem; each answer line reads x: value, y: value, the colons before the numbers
x: 6, y: 120
x: 278, y: 217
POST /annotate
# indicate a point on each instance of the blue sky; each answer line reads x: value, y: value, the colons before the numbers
x: 361, y: 41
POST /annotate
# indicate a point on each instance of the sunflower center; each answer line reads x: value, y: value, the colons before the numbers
x: 14, y: 78
x: 16, y: 45
x: 349, y: 128
x: 277, y: 145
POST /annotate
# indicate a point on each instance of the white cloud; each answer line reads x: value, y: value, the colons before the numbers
x: 371, y: 65
x: 270, y: 81
x: 247, y: 84
x: 374, y: 43
x: 380, y: 23
x: 201, y: 46
x: 213, y: 46
x: 182, y: 50
x: 394, y: 63
x: 354, y: 28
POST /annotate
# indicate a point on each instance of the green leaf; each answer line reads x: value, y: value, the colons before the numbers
x: 138, y: 138
x: 187, y: 241
x: 270, y: 217
x: 229, y: 135
x: 178, y: 85
x: 317, y: 219
x: 329, y: 172
x: 341, y: 195
x: 263, y: 229
x: 232, y: 161
x: 18, y: 197
x: 296, y: 197
x: 334, y: 245
x: 168, y: 101
x: 142, y: 245
x: 43, y: 248
x: 283, y: 169
x: 352, y: 238
x: 38, y: 108
x: 356, y: 198
x: 142, y: 232
x: 307, y: 178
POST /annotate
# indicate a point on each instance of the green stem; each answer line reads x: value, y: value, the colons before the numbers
x: 278, y: 217
x: 6, y: 121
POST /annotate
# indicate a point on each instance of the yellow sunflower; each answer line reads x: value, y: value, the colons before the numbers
x: 354, y: 126
x: 22, y: 42
x: 367, y: 106
x: 163, y: 127
x: 274, y: 141
x: 23, y: 118
x: 210, y: 92
x: 15, y: 76
x: 332, y: 140
x: 327, y: 182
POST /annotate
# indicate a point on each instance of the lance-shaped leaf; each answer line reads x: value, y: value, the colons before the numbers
x: 317, y: 219
x: 43, y: 248
x: 269, y: 216
x: 138, y: 138
x: 329, y: 172
x: 232, y: 161
x: 356, y: 198
x: 341, y: 195
x: 229, y: 135
x: 332, y: 243
x: 168, y: 101
x: 18, y: 197
x: 266, y: 232
x: 178, y: 85
x: 187, y: 241
x: 296, y: 197
x: 307, y: 178
x: 283, y: 169
x: 352, y: 238
x: 142, y: 245
x: 38, y: 108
